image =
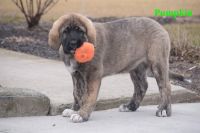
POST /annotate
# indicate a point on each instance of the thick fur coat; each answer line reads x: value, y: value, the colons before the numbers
x: 130, y: 45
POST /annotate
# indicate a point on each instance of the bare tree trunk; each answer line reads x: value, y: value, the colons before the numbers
x: 34, y: 21
x: 33, y: 10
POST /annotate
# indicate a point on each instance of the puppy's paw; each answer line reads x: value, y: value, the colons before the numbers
x: 164, y: 112
x: 76, y: 118
x: 68, y: 112
x: 124, y: 108
x: 161, y: 113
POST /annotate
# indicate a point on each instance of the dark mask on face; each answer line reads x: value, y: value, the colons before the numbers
x: 72, y: 38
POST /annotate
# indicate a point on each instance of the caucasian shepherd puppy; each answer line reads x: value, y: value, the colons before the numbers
x: 130, y: 45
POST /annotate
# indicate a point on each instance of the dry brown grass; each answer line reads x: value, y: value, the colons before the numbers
x: 185, y: 41
x: 100, y: 8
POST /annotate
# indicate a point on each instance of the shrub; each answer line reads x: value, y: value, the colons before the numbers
x: 34, y: 9
x: 185, y: 41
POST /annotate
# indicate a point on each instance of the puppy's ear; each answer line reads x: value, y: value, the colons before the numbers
x: 53, y: 39
x: 89, y: 26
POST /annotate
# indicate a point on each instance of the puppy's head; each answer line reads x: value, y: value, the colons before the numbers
x: 72, y: 37
x: 71, y: 31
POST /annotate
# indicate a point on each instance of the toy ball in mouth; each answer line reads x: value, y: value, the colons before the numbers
x: 85, y: 53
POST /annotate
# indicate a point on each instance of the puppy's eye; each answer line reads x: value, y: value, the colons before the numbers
x: 66, y: 31
x: 82, y: 33
x: 67, y: 28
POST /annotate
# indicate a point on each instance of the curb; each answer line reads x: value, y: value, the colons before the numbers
x: 16, y: 102
x: 181, y: 96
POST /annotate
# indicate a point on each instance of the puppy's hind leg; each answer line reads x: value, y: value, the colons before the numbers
x: 160, y: 72
x: 139, y: 78
x: 158, y: 60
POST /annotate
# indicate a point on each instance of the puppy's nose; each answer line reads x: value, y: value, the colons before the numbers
x: 73, y: 41
x: 73, y: 44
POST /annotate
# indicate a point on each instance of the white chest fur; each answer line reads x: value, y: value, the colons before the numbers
x: 71, y: 67
x: 70, y: 63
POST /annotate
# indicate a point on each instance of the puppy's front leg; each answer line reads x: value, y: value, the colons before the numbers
x: 79, y: 88
x: 89, y: 101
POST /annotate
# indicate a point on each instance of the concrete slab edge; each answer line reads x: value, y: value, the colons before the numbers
x: 180, y: 96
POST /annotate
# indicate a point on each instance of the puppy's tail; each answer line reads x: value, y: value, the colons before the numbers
x: 174, y: 76
x: 180, y: 77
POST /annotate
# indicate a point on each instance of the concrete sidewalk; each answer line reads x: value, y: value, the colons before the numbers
x: 185, y: 119
x: 51, y: 78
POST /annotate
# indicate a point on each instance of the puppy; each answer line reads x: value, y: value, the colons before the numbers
x: 130, y: 45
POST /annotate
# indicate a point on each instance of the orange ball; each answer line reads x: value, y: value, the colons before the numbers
x: 85, y: 53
